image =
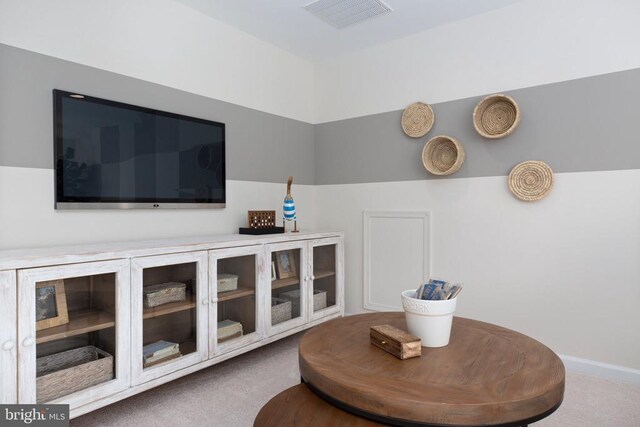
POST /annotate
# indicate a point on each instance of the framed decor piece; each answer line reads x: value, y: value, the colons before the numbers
x: 51, y: 304
x: 273, y: 271
x: 285, y: 264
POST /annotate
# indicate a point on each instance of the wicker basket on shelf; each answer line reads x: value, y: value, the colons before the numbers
x: 442, y: 155
x: 496, y: 116
x: 63, y: 373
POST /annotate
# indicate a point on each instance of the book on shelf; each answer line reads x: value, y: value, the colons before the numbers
x: 148, y: 364
x: 228, y: 329
x: 159, y: 349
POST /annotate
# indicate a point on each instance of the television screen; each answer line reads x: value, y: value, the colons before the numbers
x: 114, y: 155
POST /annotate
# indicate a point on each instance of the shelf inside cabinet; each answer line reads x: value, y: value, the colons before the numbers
x: 281, y: 283
x: 237, y: 293
x: 321, y: 274
x: 80, y: 322
x: 169, y: 308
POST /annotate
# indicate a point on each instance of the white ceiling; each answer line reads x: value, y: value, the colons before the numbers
x: 286, y: 24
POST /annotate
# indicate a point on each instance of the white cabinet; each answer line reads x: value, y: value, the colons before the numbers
x: 82, y: 305
x: 237, y: 311
x: 326, y: 281
x: 287, y: 300
x: 8, y: 339
x: 74, y: 323
x: 184, y: 323
x: 309, y: 275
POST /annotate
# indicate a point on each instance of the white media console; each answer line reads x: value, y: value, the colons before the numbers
x: 74, y: 320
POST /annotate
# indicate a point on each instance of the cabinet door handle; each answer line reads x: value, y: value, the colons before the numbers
x: 313, y: 277
x: 28, y: 342
x: 205, y: 301
x: 8, y: 345
x: 214, y: 300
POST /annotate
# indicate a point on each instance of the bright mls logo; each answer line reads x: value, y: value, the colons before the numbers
x: 34, y: 415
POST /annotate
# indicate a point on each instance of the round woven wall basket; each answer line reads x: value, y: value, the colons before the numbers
x: 442, y: 155
x: 417, y: 119
x: 496, y: 116
x: 531, y: 181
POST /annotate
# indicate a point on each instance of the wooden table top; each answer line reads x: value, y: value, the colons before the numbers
x: 299, y: 406
x: 487, y: 375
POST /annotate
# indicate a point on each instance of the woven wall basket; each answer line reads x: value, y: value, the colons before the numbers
x: 496, y: 116
x: 531, y: 181
x: 442, y: 155
x: 417, y: 119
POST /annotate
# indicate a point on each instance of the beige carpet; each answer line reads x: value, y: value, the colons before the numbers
x: 232, y: 393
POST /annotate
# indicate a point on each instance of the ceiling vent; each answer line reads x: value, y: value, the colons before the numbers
x: 343, y: 13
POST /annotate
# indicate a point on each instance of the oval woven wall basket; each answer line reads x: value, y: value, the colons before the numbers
x: 442, y: 155
x: 417, y: 119
x: 496, y: 116
x: 531, y: 180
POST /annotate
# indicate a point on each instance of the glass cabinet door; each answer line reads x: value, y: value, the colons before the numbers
x: 326, y: 277
x: 8, y: 347
x: 237, y: 279
x: 73, y: 331
x: 169, y: 316
x: 287, y: 303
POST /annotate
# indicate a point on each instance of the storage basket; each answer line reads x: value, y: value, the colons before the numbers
x: 417, y: 119
x: 496, y: 116
x: 63, y: 373
x: 319, y: 300
x: 280, y: 310
x: 227, y: 282
x: 531, y: 180
x: 164, y: 293
x: 442, y: 155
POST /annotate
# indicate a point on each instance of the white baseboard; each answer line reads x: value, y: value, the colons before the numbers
x: 601, y: 370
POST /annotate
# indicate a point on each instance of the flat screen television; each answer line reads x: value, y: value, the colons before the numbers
x: 114, y: 155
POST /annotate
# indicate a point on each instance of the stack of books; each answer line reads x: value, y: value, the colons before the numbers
x: 437, y: 290
x: 228, y: 330
x: 159, y: 352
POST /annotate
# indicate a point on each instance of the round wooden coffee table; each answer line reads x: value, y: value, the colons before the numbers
x: 487, y: 375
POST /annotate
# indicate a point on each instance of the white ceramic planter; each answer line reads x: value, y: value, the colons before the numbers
x: 429, y: 320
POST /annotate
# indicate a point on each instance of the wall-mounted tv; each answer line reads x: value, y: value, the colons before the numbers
x: 114, y: 155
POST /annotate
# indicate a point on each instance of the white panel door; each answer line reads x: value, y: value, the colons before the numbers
x: 183, y: 322
x: 97, y: 301
x: 396, y: 256
x: 8, y: 338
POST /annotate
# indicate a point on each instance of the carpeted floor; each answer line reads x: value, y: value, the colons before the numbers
x: 232, y: 393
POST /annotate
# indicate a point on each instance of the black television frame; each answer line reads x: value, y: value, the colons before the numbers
x: 64, y: 202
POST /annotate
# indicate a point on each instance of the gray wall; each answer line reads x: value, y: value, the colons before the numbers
x: 260, y: 146
x: 580, y: 125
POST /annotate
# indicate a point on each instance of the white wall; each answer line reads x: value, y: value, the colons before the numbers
x: 29, y: 220
x: 164, y: 42
x: 564, y: 270
x: 529, y: 43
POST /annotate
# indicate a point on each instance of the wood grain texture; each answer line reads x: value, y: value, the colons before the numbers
x: 8, y: 339
x: 395, y: 341
x: 80, y: 323
x: 487, y: 375
x: 299, y: 406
